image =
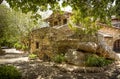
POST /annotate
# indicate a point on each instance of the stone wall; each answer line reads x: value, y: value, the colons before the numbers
x: 112, y: 34
x: 58, y: 18
x: 59, y: 38
x: 43, y: 40
x: 54, y: 40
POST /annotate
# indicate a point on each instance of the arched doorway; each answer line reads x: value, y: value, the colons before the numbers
x: 116, y: 46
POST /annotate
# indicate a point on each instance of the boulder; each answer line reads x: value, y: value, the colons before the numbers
x: 101, y: 49
x: 75, y: 57
x: 90, y: 47
x: 105, y: 51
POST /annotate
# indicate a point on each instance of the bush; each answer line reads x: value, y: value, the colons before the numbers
x: 32, y: 56
x: 94, y: 60
x: 25, y: 48
x: 9, y: 72
x: 59, y: 58
x: 18, y: 46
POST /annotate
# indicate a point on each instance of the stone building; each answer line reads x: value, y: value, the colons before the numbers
x: 45, y: 40
x: 58, y: 19
x: 111, y: 35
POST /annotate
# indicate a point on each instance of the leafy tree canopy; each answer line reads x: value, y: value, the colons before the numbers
x: 14, y: 25
x: 94, y: 8
x: 85, y: 12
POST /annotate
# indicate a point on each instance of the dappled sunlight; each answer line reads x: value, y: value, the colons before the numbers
x: 39, y: 69
x: 60, y: 39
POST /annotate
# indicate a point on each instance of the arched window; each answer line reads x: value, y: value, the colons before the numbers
x: 116, y: 46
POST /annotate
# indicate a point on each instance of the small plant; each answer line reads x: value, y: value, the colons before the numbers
x: 94, y: 60
x: 9, y: 72
x: 18, y: 46
x: 25, y: 48
x: 32, y: 56
x: 59, y: 58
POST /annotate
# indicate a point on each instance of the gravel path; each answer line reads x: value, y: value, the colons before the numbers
x: 48, y: 70
x: 37, y: 69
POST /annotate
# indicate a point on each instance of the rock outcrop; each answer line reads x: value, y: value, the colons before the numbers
x: 106, y: 51
x: 88, y: 46
x: 75, y: 57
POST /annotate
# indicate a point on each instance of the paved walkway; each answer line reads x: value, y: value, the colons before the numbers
x: 12, y: 50
x: 3, y: 61
x: 12, y: 53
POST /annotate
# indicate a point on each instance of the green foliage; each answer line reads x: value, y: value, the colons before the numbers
x: 24, y: 47
x: 59, y: 58
x: 18, y: 46
x: 7, y: 32
x: 85, y: 12
x: 14, y: 28
x: 9, y: 72
x: 96, y: 9
x: 32, y: 56
x: 94, y: 60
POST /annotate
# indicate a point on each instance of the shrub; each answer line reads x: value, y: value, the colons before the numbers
x: 59, y: 58
x: 18, y: 46
x: 25, y: 48
x: 9, y: 72
x: 32, y: 56
x: 94, y: 60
